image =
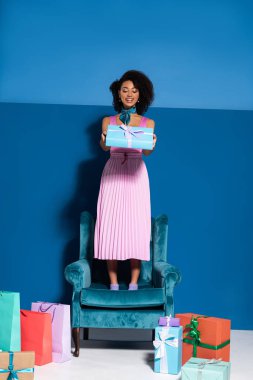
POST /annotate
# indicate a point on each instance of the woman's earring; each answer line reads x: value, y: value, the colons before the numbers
x: 119, y: 100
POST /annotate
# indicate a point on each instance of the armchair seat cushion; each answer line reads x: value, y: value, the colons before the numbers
x: 122, y: 299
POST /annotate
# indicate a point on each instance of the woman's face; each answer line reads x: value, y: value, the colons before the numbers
x: 128, y: 94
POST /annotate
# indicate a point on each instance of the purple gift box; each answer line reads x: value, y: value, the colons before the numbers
x: 169, y: 321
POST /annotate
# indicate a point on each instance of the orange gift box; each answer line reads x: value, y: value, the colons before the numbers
x: 211, y: 331
x: 36, y: 335
x: 17, y: 365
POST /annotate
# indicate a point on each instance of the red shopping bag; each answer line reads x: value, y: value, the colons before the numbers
x: 36, y: 335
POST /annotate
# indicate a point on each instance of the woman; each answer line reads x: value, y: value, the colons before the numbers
x: 123, y: 224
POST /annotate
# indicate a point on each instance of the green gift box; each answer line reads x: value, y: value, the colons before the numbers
x: 206, y: 369
x: 10, y: 321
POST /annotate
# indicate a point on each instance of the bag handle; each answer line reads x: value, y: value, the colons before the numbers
x: 45, y: 309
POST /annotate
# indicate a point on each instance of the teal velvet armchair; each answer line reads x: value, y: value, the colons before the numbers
x: 94, y: 305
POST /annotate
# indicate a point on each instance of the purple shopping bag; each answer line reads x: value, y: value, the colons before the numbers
x: 61, y: 330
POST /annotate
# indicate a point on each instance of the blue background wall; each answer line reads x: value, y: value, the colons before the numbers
x: 198, y: 53
x: 199, y: 57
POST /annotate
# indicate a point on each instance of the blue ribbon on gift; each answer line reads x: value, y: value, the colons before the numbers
x: 13, y: 373
x: 129, y: 132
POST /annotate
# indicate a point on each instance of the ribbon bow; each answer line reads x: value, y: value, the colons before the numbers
x: 194, y: 333
x: 13, y: 374
x: 129, y: 132
x: 160, y: 344
x: 201, y: 365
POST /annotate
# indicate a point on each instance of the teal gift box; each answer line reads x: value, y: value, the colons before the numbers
x: 126, y: 136
x: 206, y: 369
x: 168, y: 349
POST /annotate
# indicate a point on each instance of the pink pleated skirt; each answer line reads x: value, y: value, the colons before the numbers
x: 123, y: 224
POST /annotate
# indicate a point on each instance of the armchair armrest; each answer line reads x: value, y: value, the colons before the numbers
x: 165, y: 275
x: 78, y: 274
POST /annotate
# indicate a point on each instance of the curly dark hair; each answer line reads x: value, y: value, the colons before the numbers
x: 140, y: 81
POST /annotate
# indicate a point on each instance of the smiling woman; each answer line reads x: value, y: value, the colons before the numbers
x: 136, y: 86
x: 123, y: 224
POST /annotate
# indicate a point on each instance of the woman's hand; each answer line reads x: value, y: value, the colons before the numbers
x: 103, y: 141
x: 154, y: 140
x: 103, y: 137
x: 147, y: 152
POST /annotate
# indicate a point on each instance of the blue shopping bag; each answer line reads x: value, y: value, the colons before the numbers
x: 9, y: 321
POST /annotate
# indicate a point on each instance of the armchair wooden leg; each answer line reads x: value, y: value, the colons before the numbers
x: 76, y: 339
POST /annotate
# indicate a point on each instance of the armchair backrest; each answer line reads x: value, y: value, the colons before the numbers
x: 86, y: 236
x: 160, y: 238
x: 158, y: 250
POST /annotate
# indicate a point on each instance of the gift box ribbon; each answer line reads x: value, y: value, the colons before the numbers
x: 129, y: 132
x: 13, y: 373
x: 201, y: 365
x: 160, y: 345
x: 195, y: 340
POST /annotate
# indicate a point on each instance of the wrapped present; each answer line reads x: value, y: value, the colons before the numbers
x: 36, y: 335
x: 10, y: 321
x: 205, y: 337
x: 61, y: 328
x: 17, y: 365
x: 206, y: 369
x: 169, y: 321
x: 126, y: 136
x: 168, y: 349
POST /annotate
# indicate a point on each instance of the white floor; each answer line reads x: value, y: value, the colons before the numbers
x: 125, y: 360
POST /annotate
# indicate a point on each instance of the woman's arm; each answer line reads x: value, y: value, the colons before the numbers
x: 150, y: 124
x: 105, y: 122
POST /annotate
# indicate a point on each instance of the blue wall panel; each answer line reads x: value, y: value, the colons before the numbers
x: 198, y: 53
x: 200, y: 176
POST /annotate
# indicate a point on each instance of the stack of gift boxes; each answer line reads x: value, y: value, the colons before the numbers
x: 28, y: 337
x: 197, y: 346
x: 194, y: 345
